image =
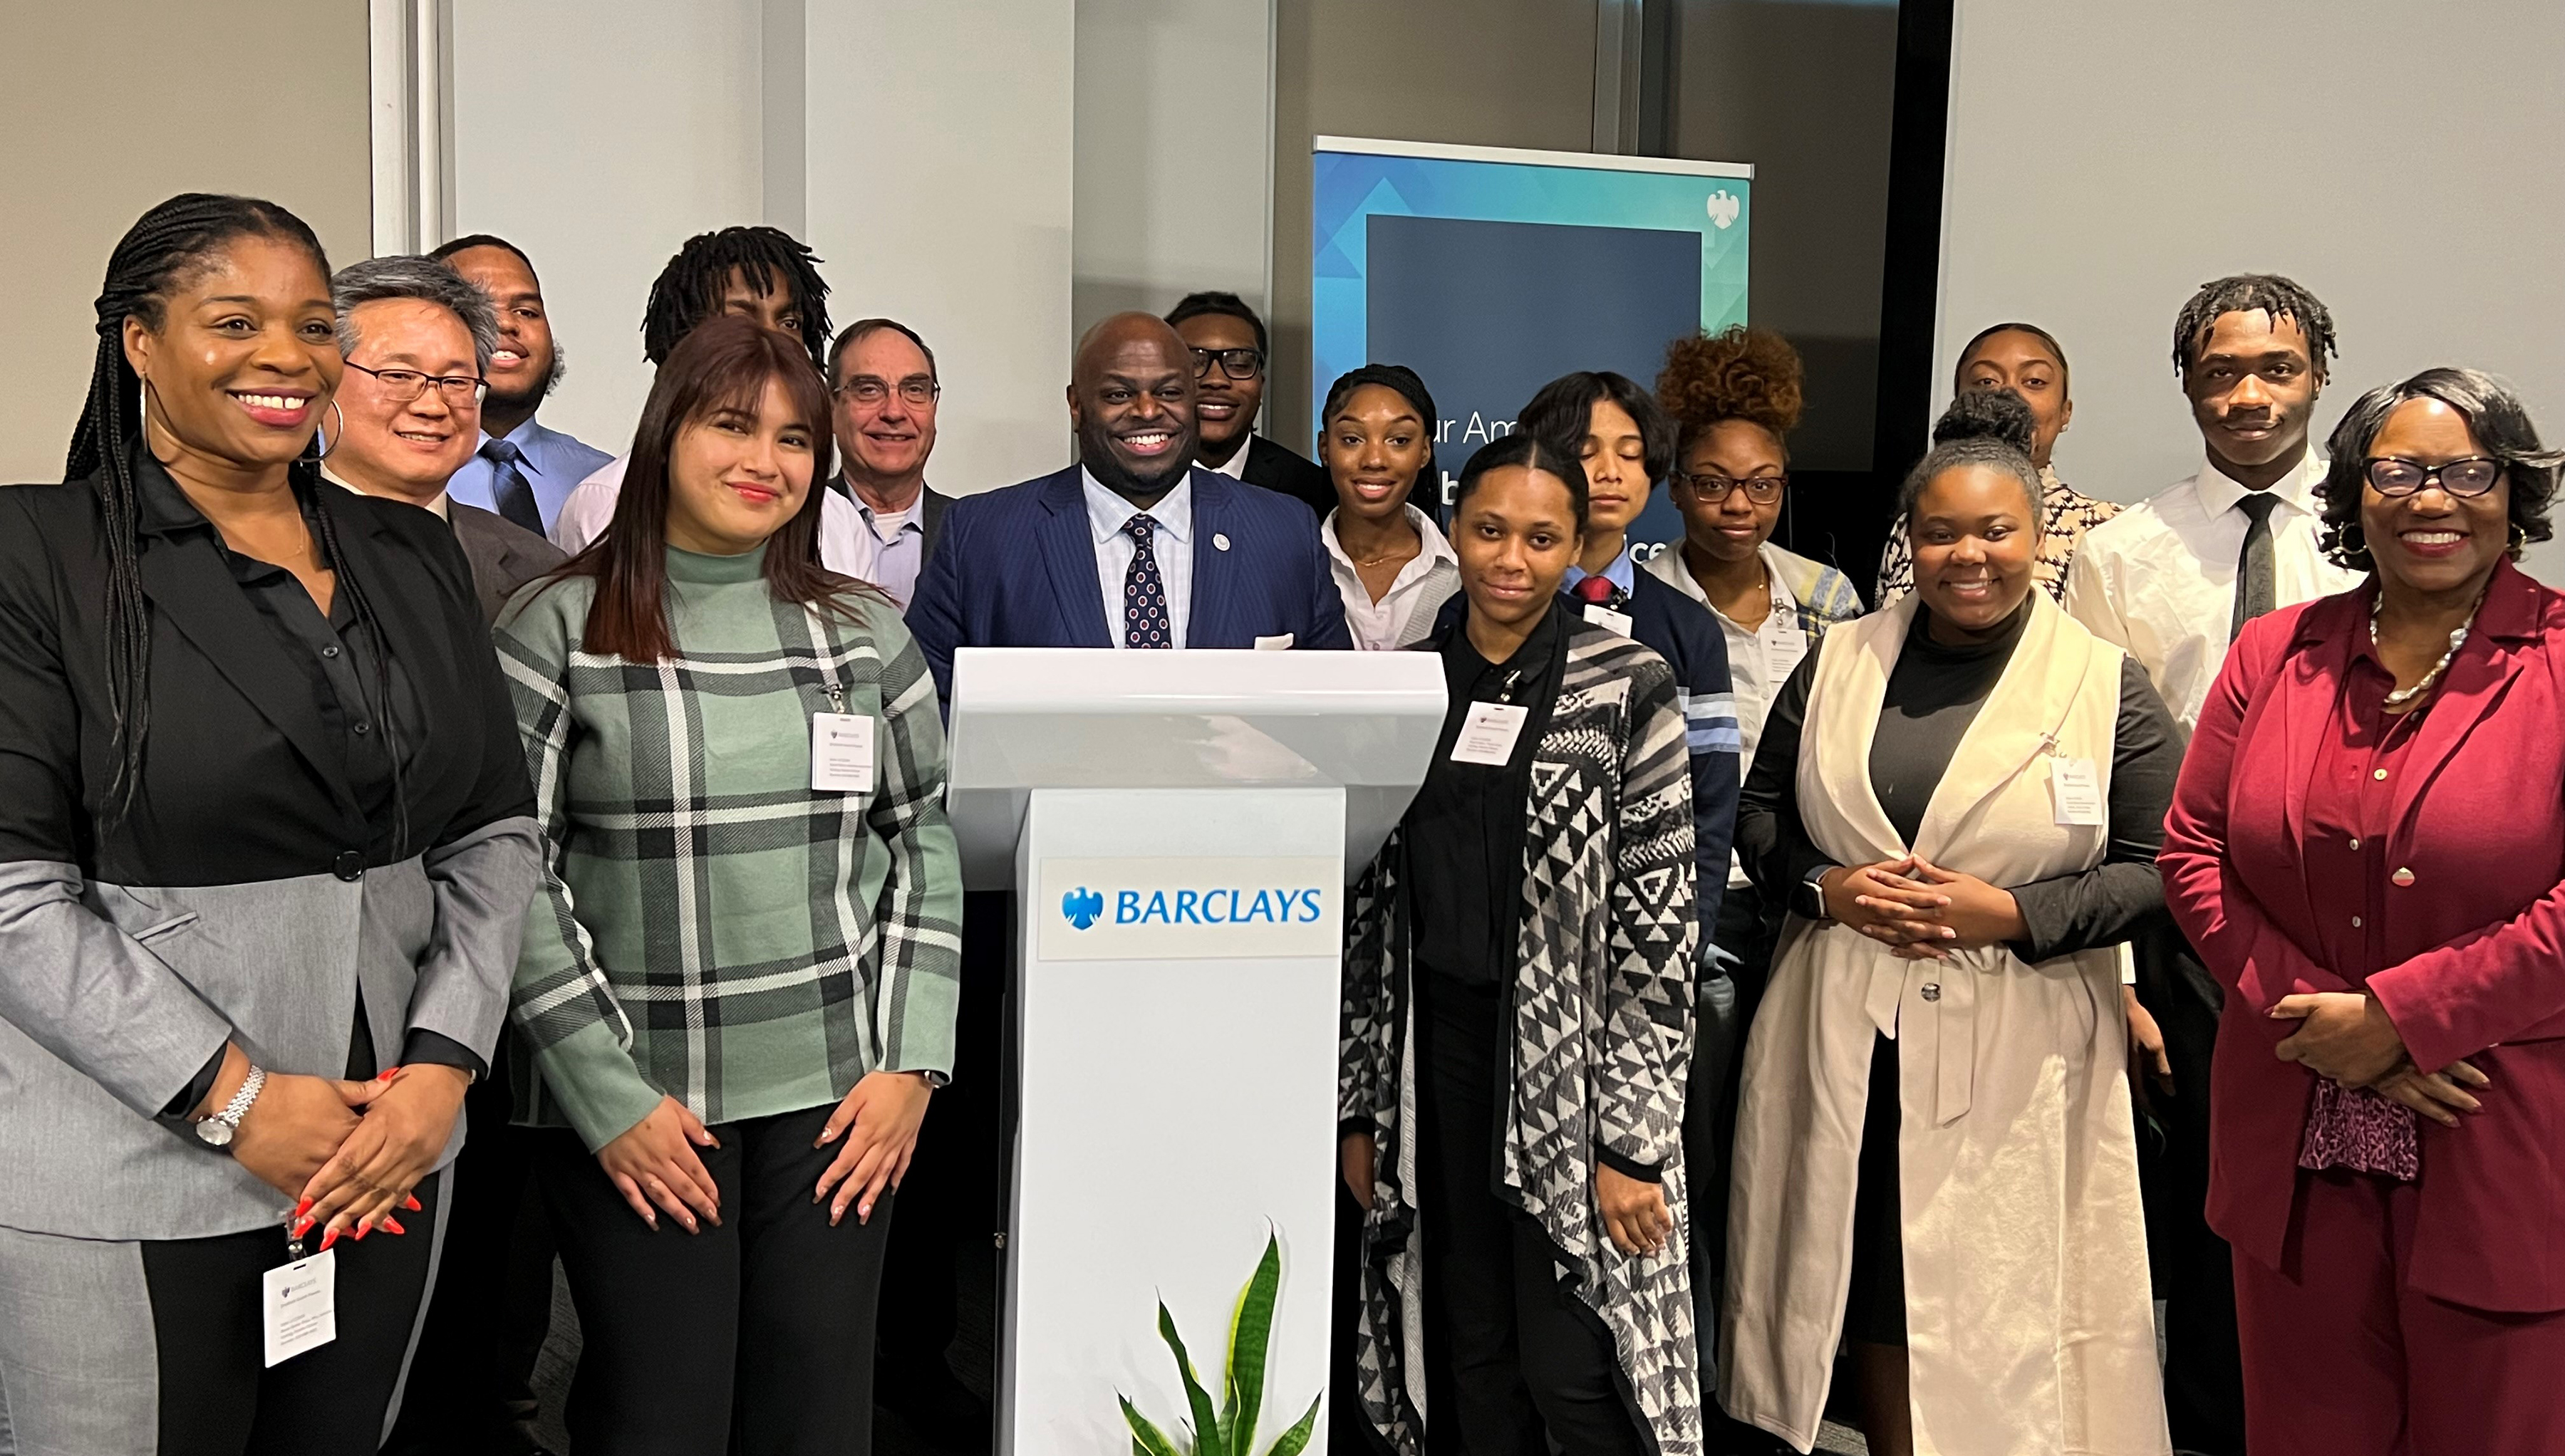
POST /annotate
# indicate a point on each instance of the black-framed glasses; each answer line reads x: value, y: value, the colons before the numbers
x: 871, y: 389
x: 2392, y: 475
x: 402, y: 386
x: 1713, y: 488
x: 1236, y: 363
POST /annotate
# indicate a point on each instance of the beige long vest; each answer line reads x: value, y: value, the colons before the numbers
x: 2028, y: 1319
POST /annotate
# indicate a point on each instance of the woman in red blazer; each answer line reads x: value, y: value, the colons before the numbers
x: 2368, y: 847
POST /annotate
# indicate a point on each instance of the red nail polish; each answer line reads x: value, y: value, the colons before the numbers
x: 392, y: 1225
x: 302, y: 1208
x: 363, y: 1229
x: 302, y: 1226
x: 387, y: 1074
x: 327, y: 1239
x: 411, y: 1203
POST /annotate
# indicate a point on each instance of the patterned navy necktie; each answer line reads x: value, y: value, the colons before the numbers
x: 509, y: 488
x: 1144, y: 594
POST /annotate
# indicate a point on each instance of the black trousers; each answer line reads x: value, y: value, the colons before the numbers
x: 1514, y: 1361
x: 471, y: 1390
x: 755, y: 1337
x: 216, y: 1400
x: 952, y: 1196
x: 2194, y: 1272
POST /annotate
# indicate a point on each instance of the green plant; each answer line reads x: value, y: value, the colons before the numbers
x: 1229, y: 1430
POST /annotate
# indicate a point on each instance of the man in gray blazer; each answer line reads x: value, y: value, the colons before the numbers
x: 504, y: 554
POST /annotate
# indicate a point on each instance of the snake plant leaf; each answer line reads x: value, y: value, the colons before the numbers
x: 1146, y: 1439
x: 1250, y: 1331
x: 1296, y: 1439
x: 1207, y: 1425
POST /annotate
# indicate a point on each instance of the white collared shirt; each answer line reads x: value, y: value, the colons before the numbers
x: 1759, y: 659
x: 1235, y: 465
x: 1405, y: 612
x: 1172, y: 545
x: 2159, y: 579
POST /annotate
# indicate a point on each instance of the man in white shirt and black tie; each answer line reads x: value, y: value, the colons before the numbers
x: 2173, y: 581
x: 884, y: 391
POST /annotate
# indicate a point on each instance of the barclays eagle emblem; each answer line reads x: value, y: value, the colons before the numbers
x: 1082, y: 905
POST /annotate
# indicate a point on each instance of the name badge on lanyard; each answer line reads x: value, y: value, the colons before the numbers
x: 1608, y: 619
x: 297, y: 1307
x: 1488, y: 733
x: 2075, y: 787
x: 841, y: 747
x: 1786, y: 643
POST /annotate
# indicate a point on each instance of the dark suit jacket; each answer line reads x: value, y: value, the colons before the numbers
x: 504, y: 556
x: 930, y: 522
x: 2475, y: 929
x: 1017, y: 569
x: 1278, y: 468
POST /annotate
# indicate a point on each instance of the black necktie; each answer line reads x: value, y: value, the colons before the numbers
x: 1145, y: 622
x: 2253, y: 570
x: 509, y: 489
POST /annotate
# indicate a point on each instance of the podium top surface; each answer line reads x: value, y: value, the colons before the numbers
x: 1087, y: 718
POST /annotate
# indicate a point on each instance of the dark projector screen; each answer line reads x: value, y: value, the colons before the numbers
x: 1489, y: 312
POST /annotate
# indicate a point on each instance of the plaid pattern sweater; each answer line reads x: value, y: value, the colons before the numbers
x: 712, y: 927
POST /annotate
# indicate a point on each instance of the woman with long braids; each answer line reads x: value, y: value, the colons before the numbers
x: 266, y: 847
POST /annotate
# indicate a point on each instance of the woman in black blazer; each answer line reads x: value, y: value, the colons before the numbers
x: 266, y: 847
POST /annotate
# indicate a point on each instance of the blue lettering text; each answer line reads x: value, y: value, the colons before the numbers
x: 1310, y: 906
x: 1157, y: 910
x: 1186, y: 903
x: 1126, y: 907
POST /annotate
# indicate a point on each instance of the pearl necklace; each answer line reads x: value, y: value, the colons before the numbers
x: 2398, y: 696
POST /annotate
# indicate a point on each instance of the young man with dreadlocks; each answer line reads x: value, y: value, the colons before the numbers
x: 2173, y: 581
x: 758, y: 273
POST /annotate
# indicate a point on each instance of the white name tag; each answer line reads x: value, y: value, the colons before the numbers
x: 841, y: 753
x: 1786, y: 643
x: 1604, y: 616
x: 1487, y: 734
x: 2077, y: 788
x: 299, y: 1306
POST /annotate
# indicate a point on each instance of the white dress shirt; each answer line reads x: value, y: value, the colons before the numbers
x: 2159, y: 579
x: 1405, y: 613
x: 1172, y: 545
x: 590, y: 509
x: 1759, y: 659
x: 1235, y: 465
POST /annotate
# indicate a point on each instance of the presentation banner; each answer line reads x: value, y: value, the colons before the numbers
x: 1490, y: 271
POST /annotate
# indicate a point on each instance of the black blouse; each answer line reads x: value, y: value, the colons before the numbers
x: 1934, y: 693
x: 1464, y: 832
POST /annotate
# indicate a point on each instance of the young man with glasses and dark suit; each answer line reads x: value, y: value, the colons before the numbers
x: 1230, y: 358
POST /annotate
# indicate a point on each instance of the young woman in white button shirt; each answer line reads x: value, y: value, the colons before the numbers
x: 1390, y: 563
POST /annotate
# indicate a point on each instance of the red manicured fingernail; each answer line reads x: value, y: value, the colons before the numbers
x: 302, y: 1208
x: 363, y: 1229
x: 387, y: 1074
x: 392, y: 1225
x: 411, y: 1204
x: 327, y: 1239
x: 302, y: 1226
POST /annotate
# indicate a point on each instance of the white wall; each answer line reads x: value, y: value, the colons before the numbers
x: 2402, y: 162
x: 922, y: 151
x: 599, y: 157
x: 1175, y: 152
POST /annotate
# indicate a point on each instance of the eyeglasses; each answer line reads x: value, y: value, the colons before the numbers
x: 1713, y: 488
x: 2391, y: 475
x: 916, y: 389
x: 1236, y: 363
x: 402, y: 386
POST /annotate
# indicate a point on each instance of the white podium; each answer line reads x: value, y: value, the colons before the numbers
x: 1179, y: 828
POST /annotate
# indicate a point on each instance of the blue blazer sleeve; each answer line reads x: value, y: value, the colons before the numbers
x: 936, y: 610
x: 1687, y: 637
x: 1326, y: 608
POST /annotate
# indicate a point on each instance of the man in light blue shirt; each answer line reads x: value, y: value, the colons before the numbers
x: 521, y: 470
x: 884, y: 393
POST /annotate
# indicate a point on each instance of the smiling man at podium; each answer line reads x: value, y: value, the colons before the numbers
x: 1134, y: 546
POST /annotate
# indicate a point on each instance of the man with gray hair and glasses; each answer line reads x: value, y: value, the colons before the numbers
x: 883, y: 397
x: 417, y: 339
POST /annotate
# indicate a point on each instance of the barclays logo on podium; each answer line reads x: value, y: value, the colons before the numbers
x: 1082, y: 905
x: 1167, y: 909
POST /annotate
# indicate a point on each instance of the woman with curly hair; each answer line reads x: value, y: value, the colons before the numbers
x: 2026, y: 359
x: 2390, y: 1066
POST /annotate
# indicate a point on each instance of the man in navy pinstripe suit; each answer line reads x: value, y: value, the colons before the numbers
x: 1132, y: 547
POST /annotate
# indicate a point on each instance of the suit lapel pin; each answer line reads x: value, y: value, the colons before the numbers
x: 1219, y: 542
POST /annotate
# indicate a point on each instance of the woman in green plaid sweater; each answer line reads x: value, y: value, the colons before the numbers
x: 739, y: 990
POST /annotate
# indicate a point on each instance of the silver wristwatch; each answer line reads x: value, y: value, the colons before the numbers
x: 217, y: 1130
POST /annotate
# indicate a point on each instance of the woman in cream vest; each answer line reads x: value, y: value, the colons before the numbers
x: 1960, y: 798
